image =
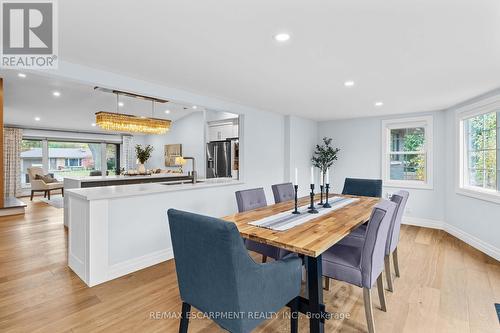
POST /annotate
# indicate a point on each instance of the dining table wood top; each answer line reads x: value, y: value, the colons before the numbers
x: 311, y: 238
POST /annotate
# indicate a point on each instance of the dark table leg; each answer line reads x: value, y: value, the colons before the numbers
x: 315, y: 294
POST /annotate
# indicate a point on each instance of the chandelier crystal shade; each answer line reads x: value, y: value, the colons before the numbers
x: 127, y: 123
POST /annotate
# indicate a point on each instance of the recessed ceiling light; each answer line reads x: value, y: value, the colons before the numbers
x: 120, y: 104
x: 56, y: 93
x: 93, y: 125
x: 282, y: 37
x: 195, y: 107
x: 167, y: 111
x: 21, y: 75
x: 379, y: 104
x: 37, y: 118
x: 349, y: 83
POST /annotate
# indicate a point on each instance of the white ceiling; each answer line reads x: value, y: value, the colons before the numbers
x: 31, y: 97
x: 413, y: 55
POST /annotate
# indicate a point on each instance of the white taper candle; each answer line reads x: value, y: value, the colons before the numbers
x: 312, y: 175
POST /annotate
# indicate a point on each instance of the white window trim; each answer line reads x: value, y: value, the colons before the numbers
x: 485, y: 106
x: 422, y: 121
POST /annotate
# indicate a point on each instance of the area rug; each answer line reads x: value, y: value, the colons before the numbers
x: 497, y: 306
x: 56, y: 201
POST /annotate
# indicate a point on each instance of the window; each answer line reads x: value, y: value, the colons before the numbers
x: 407, y: 152
x: 480, y: 152
x: 31, y: 156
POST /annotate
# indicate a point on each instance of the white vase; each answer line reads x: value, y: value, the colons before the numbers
x: 141, y: 168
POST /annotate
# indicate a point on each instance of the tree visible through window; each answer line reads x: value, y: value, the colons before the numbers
x: 481, y: 151
x: 407, y: 152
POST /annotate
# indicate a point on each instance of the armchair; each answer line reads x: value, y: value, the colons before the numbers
x: 38, y: 185
x: 217, y: 275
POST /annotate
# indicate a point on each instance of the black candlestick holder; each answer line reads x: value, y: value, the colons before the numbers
x: 312, y: 210
x: 327, y: 205
x: 296, y: 187
x: 321, y: 203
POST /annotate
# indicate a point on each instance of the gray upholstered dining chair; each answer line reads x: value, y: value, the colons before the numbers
x: 363, y: 187
x: 357, y: 236
x: 253, y: 199
x: 216, y: 274
x: 283, y: 192
x: 363, y: 265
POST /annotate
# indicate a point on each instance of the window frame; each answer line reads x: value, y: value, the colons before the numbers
x: 489, y: 105
x: 422, y: 121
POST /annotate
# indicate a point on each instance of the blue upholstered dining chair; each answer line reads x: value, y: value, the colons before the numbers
x: 253, y: 199
x: 216, y: 274
x: 363, y: 187
x: 283, y: 192
x: 357, y: 236
x: 363, y: 265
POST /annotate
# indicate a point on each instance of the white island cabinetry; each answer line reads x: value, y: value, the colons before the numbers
x: 116, y: 230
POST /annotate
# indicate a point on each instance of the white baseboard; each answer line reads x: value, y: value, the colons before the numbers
x: 473, y: 241
x: 467, y: 238
x: 136, y: 264
x: 426, y: 223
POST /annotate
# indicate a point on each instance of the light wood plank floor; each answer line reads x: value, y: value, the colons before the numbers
x: 446, y: 286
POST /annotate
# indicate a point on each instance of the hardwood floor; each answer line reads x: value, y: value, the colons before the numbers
x: 445, y: 286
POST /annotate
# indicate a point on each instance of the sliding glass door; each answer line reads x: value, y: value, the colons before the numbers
x: 68, y: 158
x: 74, y: 159
x: 31, y: 156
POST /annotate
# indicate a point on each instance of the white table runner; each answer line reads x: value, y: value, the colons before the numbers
x: 287, y: 220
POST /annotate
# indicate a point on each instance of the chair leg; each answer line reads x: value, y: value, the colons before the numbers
x: 183, y: 327
x: 48, y: 195
x: 44, y: 194
x: 381, y: 292
x: 367, y: 297
x: 396, y: 262
x: 32, y: 193
x: 294, y: 315
x: 388, y: 274
x: 264, y: 259
x: 62, y: 192
x: 327, y: 283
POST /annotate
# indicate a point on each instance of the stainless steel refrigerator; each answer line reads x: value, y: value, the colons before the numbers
x: 218, y: 159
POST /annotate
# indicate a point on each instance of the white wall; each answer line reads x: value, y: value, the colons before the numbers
x: 478, y: 218
x: 475, y: 221
x: 188, y: 131
x: 262, y: 142
x: 360, y: 156
x: 301, y: 136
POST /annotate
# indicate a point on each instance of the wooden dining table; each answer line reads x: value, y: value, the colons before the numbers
x: 310, y: 239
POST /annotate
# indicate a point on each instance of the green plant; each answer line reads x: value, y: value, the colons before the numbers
x: 324, y: 155
x: 143, y: 154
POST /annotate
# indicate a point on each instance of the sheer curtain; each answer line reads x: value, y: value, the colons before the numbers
x: 13, y: 138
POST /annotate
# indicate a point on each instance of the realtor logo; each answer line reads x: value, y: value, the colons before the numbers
x: 29, y: 34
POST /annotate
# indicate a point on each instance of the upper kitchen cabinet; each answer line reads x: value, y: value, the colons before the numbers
x: 223, y: 129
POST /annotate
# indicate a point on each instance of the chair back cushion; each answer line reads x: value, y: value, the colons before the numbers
x: 363, y: 187
x: 283, y: 192
x: 400, y: 198
x: 209, y: 254
x: 33, y: 172
x: 250, y: 199
x: 372, y: 257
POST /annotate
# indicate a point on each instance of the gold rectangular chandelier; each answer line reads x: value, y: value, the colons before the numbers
x: 127, y: 123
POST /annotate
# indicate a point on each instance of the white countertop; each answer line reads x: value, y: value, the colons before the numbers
x: 122, y: 177
x: 111, y: 192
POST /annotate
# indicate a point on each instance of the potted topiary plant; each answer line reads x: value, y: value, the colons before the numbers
x: 143, y: 155
x: 324, y: 156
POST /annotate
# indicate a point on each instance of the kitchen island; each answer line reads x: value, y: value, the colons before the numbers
x: 101, y: 181
x: 117, y: 230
